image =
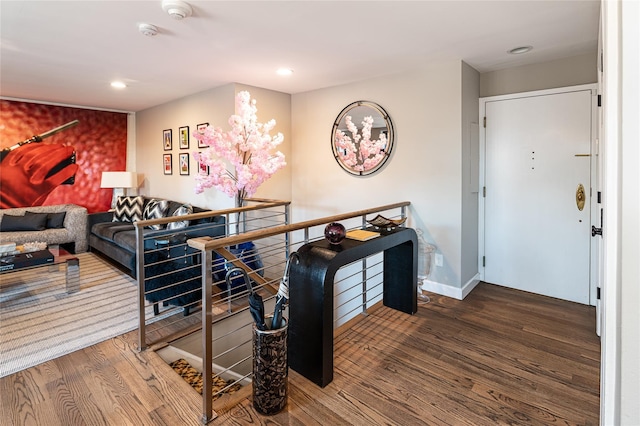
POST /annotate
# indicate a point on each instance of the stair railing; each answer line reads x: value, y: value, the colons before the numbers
x: 296, y: 234
x: 166, y: 256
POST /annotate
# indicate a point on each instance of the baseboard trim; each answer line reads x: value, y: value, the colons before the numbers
x: 450, y: 291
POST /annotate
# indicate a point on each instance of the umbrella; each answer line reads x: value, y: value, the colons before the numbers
x: 283, y: 294
x: 256, y: 305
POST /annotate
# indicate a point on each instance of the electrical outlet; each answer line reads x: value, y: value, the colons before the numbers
x: 439, y: 259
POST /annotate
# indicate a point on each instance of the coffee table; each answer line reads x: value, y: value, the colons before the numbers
x: 60, y: 256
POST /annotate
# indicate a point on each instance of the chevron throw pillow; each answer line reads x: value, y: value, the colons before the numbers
x: 128, y: 209
x: 156, y: 209
x: 181, y: 211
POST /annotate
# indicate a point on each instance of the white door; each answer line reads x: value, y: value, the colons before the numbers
x: 537, y: 155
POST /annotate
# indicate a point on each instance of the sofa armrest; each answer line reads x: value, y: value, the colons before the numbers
x: 99, y: 217
x: 75, y: 222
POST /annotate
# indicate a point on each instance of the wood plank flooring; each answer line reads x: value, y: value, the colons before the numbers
x: 501, y: 356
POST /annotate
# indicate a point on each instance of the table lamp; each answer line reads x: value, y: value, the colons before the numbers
x: 119, y: 181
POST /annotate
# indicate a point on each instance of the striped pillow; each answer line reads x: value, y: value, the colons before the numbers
x: 181, y: 211
x: 128, y: 209
x: 156, y: 209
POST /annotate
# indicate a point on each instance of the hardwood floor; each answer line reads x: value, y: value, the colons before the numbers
x: 501, y: 356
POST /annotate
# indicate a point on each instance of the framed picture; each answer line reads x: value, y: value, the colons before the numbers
x: 167, y: 137
x: 184, y: 164
x: 203, y: 169
x: 200, y: 128
x: 167, y: 163
x: 184, y: 137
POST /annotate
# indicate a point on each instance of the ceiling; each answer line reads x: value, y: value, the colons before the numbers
x: 68, y: 52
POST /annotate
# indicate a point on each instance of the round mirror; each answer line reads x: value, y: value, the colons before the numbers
x: 362, y: 138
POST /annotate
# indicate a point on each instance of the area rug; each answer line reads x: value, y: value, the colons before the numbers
x: 39, y: 321
x: 194, y: 378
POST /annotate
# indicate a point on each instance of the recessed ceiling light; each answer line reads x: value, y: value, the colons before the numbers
x: 118, y: 85
x: 284, y: 71
x: 520, y: 50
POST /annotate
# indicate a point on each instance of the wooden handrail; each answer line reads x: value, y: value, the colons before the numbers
x: 265, y: 203
x: 230, y: 257
x: 208, y: 243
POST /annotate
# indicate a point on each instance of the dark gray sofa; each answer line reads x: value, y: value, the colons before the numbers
x: 117, y: 240
x: 172, y: 268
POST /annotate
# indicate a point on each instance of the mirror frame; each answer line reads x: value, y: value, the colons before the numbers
x: 390, y: 137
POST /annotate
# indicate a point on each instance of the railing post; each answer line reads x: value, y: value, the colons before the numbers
x: 142, y: 341
x: 364, y: 274
x: 364, y: 286
x: 287, y: 235
x: 207, y: 335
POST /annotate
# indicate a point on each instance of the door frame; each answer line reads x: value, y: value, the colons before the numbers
x: 594, y: 266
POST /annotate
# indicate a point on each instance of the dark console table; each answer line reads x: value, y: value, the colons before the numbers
x: 311, y: 294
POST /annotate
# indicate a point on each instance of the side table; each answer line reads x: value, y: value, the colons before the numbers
x: 311, y: 293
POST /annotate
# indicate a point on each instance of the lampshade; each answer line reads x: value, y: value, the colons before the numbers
x: 119, y: 180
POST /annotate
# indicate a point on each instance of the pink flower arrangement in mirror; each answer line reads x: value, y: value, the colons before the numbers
x: 359, y: 152
x: 247, y: 147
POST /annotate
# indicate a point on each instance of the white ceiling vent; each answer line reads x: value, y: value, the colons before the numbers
x: 177, y: 9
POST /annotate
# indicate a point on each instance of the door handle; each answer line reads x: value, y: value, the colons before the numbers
x: 580, y: 197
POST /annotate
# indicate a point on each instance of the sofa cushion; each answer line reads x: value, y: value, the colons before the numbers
x: 156, y: 209
x: 108, y: 230
x: 54, y: 220
x: 184, y: 209
x: 126, y: 240
x: 128, y: 209
x: 31, y: 222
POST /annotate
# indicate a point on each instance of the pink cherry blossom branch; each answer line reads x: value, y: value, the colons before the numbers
x: 246, y: 147
x: 359, y: 152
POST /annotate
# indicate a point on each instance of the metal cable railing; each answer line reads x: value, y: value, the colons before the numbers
x: 358, y: 289
x: 169, y: 271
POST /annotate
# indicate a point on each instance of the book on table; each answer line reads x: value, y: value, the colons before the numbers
x: 362, y: 234
x: 25, y: 260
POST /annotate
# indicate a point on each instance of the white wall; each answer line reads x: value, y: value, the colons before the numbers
x: 470, y: 174
x: 424, y: 168
x: 214, y: 106
x: 564, y: 72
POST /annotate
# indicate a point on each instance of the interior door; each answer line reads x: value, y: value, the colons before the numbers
x: 537, y: 233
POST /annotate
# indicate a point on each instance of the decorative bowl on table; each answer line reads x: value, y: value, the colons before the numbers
x: 335, y: 232
x: 382, y: 222
x: 34, y: 246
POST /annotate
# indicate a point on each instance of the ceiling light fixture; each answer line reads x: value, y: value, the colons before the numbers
x: 284, y: 71
x: 520, y: 50
x: 118, y: 85
x: 147, y: 29
x: 177, y: 9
